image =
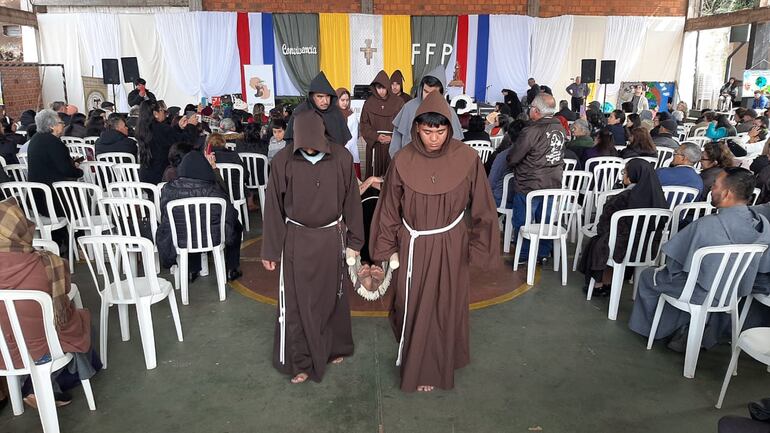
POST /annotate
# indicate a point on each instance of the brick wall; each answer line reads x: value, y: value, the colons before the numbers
x: 548, y: 8
x: 21, y: 88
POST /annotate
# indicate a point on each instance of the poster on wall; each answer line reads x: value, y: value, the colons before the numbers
x: 657, y: 93
x: 755, y: 79
x: 95, y: 92
x: 260, y: 88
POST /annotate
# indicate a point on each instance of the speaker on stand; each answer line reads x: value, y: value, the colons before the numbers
x: 607, y: 76
x: 587, y: 75
x: 111, y: 75
x: 130, y: 69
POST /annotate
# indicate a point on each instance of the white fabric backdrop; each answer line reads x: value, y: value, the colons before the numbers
x: 256, y: 55
x: 687, y: 70
x: 179, y: 42
x: 509, y: 37
x: 549, y: 50
x: 220, y: 63
x: 58, y: 36
x: 623, y: 43
x: 660, y: 55
x: 100, y: 39
x: 587, y: 42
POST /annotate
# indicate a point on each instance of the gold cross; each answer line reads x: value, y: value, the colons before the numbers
x: 368, y: 51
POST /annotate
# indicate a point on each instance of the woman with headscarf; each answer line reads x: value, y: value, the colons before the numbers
x: 343, y: 101
x: 511, y: 100
x: 322, y: 99
x: 196, y: 178
x: 397, y: 86
x: 642, y: 191
x: 25, y: 268
x: 376, y: 125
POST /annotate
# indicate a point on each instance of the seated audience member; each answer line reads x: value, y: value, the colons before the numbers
x: 665, y: 135
x: 761, y: 169
x: 476, y: 130
x: 228, y: 130
x: 642, y: 191
x: 176, y: 152
x: 216, y: 145
x: 25, y: 268
x: 108, y: 107
x: 276, y: 141
x: 641, y: 144
x: 258, y: 114
x: 735, y: 223
x: 252, y: 140
x: 605, y: 146
x: 597, y: 121
x: 498, y: 161
x: 197, y: 178
x: 760, y: 101
x: 678, y: 117
x: 746, y: 121
x: 714, y: 159
x: 681, y: 106
x: 706, y: 118
x: 633, y: 120
x: 9, y: 144
x: 155, y: 137
x: 114, y: 138
x: 581, y: 139
x: 615, y: 126
x: 26, y: 119
x: 648, y: 122
x: 565, y: 112
x: 757, y: 137
x: 500, y: 125
x: 660, y: 116
x: 76, y: 126
x: 720, y: 128
x: 682, y: 171
x: 95, y: 123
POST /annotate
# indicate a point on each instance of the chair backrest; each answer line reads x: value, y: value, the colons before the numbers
x: 98, y: 173
x: 689, y: 212
x: 115, y: 265
x: 496, y: 140
x: 17, y: 172
x: 126, y: 172
x: 754, y: 196
x: 117, y: 157
x: 141, y: 190
x: 555, y: 213
x: 506, y: 186
x: 232, y: 174
x: 639, y: 247
x: 46, y: 245
x: 591, y: 162
x: 195, y: 215
x: 620, y: 147
x: 601, y: 200
x: 570, y: 164
x: 676, y: 195
x: 576, y: 180
x: 71, y: 140
x: 130, y: 216
x: 80, y: 202
x: 91, y: 140
x: 9, y: 298
x: 22, y: 157
x: 700, y: 132
x: 230, y: 146
x: 665, y: 156
x: 651, y: 159
x: 606, y: 175
x: 699, y: 141
x: 258, y: 169
x: 25, y: 196
x: 734, y: 260
x: 484, y: 152
x: 478, y: 143
x: 2, y: 161
x: 85, y: 150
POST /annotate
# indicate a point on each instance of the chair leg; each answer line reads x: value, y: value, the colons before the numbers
x: 728, y: 376
x: 46, y: 404
x: 76, y: 296
x: 590, y: 291
x: 245, y: 208
x: 517, y: 251
x: 183, y: 282
x: 508, y: 234
x: 736, y: 332
x: 577, y: 249
x: 104, y: 321
x: 144, y: 315
x: 175, y: 315
x: 71, y: 257
x: 637, y: 272
x: 564, y: 261
x: 534, y: 242
x: 655, y: 322
x: 204, y: 265
x: 617, y: 287
x: 745, y: 312
x: 694, y: 338
x: 89, y: 394
x: 262, y: 202
x: 219, y: 265
x: 14, y: 393
x: 125, y: 333
x: 557, y: 253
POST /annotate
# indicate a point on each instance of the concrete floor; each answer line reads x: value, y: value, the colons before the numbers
x: 547, y: 361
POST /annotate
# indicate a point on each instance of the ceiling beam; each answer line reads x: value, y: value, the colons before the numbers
x: 746, y: 16
x: 17, y: 17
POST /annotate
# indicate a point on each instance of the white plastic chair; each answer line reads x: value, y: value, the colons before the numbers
x: 570, y: 164
x: 22, y: 157
x: 98, y: 173
x: 553, y: 222
x: 578, y: 181
x: 126, y: 172
x: 691, y: 211
x: 700, y: 132
x: 484, y: 152
x: 589, y: 230
x: 91, y: 140
x: 606, y: 171
x: 235, y: 190
x: 479, y: 143
x: 665, y: 156
x: 17, y: 172
x: 40, y: 373
x: 507, y: 214
x: 230, y: 146
x: 141, y: 190
x: 24, y: 193
x: 80, y: 202
x: 117, y: 158
x: 762, y: 299
x: 755, y: 342
x: 252, y: 162
x: 651, y: 159
x: 127, y: 217
x: 87, y: 151
x: 676, y: 195
x: 196, y: 216
x: 752, y: 198
x: 67, y: 140
x: 698, y: 140
x: 122, y: 287
x: 733, y: 262
x: 2, y: 161
x: 640, y: 253
x: 620, y: 147
x: 496, y: 140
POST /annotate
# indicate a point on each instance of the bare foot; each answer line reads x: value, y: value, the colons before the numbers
x: 424, y: 388
x: 299, y: 378
x: 338, y: 360
x: 378, y: 276
x: 365, y: 277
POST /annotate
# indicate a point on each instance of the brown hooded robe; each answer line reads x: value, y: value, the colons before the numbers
x: 377, y: 115
x: 429, y: 191
x: 315, y: 274
x: 398, y: 77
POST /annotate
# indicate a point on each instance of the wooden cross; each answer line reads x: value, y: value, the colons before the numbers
x: 368, y: 51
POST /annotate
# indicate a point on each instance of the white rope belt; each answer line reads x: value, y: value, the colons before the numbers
x: 413, y: 235
x: 282, y: 291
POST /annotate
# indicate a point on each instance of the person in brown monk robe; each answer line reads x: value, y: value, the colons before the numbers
x: 397, y: 86
x: 376, y: 124
x: 437, y: 212
x: 312, y: 221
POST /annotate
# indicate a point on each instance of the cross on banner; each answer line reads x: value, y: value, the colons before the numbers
x: 368, y: 51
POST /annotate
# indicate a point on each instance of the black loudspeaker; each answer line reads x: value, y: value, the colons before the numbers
x: 130, y: 69
x: 110, y: 71
x: 588, y: 71
x: 608, y: 72
x: 740, y: 33
x: 362, y: 91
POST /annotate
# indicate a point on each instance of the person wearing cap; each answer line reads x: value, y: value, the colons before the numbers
x: 760, y: 101
x: 108, y: 107
x: 140, y: 93
x: 665, y: 137
x: 746, y: 121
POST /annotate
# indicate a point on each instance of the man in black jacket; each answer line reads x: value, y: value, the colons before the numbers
x: 140, y: 93
x: 114, y: 138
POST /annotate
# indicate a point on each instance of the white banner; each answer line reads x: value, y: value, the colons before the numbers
x: 260, y: 88
x: 366, y: 51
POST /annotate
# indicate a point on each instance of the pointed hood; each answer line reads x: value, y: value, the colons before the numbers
x: 335, y: 122
x: 309, y: 132
x: 437, y: 172
x: 387, y: 106
x: 397, y: 77
x: 439, y: 73
x: 320, y: 84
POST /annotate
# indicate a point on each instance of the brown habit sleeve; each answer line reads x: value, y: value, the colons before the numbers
x: 365, y: 126
x: 274, y: 225
x: 353, y: 212
x: 383, y: 233
x: 484, y: 235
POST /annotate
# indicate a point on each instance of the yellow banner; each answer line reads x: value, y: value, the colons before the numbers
x: 397, y: 44
x: 334, y: 40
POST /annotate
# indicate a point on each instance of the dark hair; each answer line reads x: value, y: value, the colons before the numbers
x: 177, y: 151
x: 143, y: 130
x: 662, y: 115
x: 95, y: 125
x: 763, y: 119
x: 636, y: 121
x: 709, y: 116
x: 431, y: 119
x: 31, y: 131
x: 503, y: 121
x: 76, y: 119
x: 606, y: 143
x: 723, y: 122
x: 719, y: 153
x: 113, y: 121
x: 476, y: 124
x: 278, y: 124
x: 641, y: 140
x: 431, y: 81
x: 251, y: 133
x: 189, y: 107
x: 740, y: 182
x: 620, y: 115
